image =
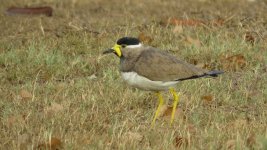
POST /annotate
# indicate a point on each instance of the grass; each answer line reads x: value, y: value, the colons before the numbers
x: 76, y: 95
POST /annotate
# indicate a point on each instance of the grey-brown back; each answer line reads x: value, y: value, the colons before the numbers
x: 157, y: 65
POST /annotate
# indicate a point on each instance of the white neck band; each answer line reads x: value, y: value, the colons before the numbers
x: 134, y: 46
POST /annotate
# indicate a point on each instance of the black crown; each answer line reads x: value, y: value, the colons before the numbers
x: 128, y: 41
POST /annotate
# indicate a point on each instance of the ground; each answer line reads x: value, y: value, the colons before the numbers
x: 57, y: 90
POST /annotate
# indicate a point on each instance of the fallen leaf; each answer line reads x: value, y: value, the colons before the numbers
x: 180, y: 141
x: 205, y: 66
x: 135, y: 136
x: 145, y: 38
x: 16, y: 119
x: 233, y: 63
x: 193, y: 61
x: 192, y: 41
x: 108, y: 141
x: 230, y: 144
x: 92, y: 77
x: 54, y: 108
x: 53, y: 144
x: 217, y: 22
x: 166, y: 112
x: 25, y: 95
x: 178, y: 29
x: 191, y: 129
x: 248, y: 37
x: 251, y: 140
x: 207, y: 98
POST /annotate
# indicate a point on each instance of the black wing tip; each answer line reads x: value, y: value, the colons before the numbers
x: 215, y: 73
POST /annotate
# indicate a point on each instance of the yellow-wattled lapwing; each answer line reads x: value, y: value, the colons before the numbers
x: 148, y: 68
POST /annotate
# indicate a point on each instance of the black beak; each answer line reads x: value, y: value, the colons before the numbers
x: 108, y: 51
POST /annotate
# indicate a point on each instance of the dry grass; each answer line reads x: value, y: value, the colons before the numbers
x: 48, y: 66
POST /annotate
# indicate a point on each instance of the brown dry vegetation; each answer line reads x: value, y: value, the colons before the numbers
x: 57, y: 91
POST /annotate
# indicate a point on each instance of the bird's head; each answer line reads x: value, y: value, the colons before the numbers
x: 125, y: 42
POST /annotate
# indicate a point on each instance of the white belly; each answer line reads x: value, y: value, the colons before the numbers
x: 137, y: 81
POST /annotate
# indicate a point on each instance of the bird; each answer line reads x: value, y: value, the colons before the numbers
x: 151, y: 69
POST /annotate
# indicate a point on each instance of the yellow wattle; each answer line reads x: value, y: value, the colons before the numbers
x: 117, y: 49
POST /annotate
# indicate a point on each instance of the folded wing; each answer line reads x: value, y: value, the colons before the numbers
x: 159, y: 66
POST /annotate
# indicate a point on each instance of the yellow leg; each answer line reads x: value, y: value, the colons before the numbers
x: 161, y: 101
x: 175, y: 102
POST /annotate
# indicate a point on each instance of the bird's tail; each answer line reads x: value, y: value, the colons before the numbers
x: 214, y: 73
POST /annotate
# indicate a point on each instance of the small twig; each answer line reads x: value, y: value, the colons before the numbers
x: 91, y: 31
x: 229, y: 18
x: 34, y: 85
x: 75, y: 27
x: 41, y: 27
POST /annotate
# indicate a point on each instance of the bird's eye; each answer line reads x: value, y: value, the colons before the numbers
x: 123, y: 45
